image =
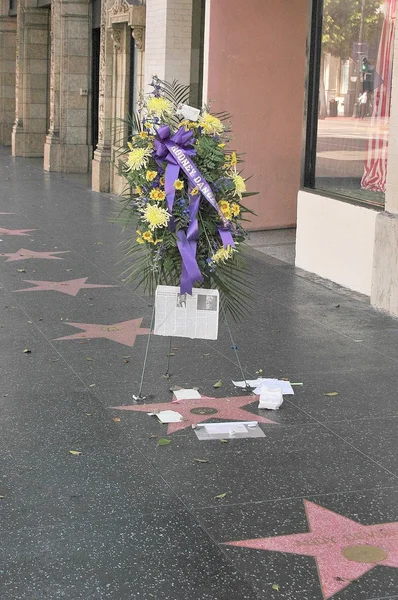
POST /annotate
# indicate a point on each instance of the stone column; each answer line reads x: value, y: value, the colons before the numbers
x: 168, y: 40
x: 101, y: 165
x: 119, y: 20
x: 8, y: 29
x: 30, y: 125
x: 67, y: 147
x: 384, y: 293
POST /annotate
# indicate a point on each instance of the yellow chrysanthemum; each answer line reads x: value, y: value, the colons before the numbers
x: 138, y: 158
x: 222, y: 254
x: 194, y: 191
x: 178, y: 184
x: 138, y: 189
x: 221, y: 145
x: 147, y: 236
x: 234, y: 159
x: 150, y: 175
x: 239, y: 184
x: 210, y: 124
x: 235, y: 208
x: 155, y: 216
x: 161, y: 181
x: 143, y: 134
x: 188, y: 124
x: 159, y: 106
x: 153, y: 194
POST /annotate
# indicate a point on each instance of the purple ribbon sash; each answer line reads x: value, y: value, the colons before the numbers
x: 176, y: 150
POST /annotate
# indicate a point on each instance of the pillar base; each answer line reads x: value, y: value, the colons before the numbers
x: 384, y: 295
x: 101, y: 170
x: 28, y: 145
x: 66, y: 158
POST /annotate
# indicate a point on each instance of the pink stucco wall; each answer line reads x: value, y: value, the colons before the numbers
x: 256, y: 72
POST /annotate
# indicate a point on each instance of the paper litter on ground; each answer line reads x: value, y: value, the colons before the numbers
x: 187, y: 394
x: 168, y: 416
x: 235, y: 429
x: 261, y: 381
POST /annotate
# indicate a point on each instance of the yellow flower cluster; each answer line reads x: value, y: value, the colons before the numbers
x: 146, y: 237
x: 157, y: 194
x: 159, y: 106
x: 229, y: 210
x: 155, y: 216
x: 210, y: 124
x: 188, y: 124
x: 222, y: 255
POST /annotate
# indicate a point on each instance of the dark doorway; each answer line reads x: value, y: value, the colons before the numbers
x: 96, y: 37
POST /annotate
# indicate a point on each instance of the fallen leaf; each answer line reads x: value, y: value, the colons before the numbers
x: 201, y: 460
x: 116, y: 419
x: 27, y: 351
x: 153, y: 436
x: 30, y: 321
x: 218, y: 384
x: 88, y: 358
x: 2, y: 497
x: 221, y: 496
x: 92, y: 385
x: 332, y: 394
x: 259, y: 372
x: 69, y: 269
x: 224, y: 441
x: 75, y: 452
x: 21, y: 270
x: 164, y: 442
x: 170, y: 354
x: 99, y: 243
x: 89, y: 414
x: 275, y: 587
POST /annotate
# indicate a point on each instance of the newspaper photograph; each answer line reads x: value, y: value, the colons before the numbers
x: 183, y: 315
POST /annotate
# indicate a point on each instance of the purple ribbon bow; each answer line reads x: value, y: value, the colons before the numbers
x: 176, y: 150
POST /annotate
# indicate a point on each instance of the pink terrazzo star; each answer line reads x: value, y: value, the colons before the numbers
x: 71, y: 287
x: 343, y: 549
x: 229, y: 409
x: 124, y: 332
x: 14, y: 231
x: 24, y: 254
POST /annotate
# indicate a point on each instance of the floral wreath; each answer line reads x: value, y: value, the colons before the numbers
x: 184, y: 196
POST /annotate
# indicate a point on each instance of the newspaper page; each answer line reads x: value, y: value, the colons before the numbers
x: 183, y: 315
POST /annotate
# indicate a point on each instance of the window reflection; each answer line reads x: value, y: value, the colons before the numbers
x: 354, y: 98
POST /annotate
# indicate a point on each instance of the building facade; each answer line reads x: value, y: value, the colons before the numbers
x: 71, y: 70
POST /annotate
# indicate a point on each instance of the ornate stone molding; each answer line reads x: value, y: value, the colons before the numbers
x: 116, y: 37
x: 138, y: 34
x: 123, y: 12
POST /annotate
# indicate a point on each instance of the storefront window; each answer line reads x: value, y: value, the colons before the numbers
x: 352, y: 52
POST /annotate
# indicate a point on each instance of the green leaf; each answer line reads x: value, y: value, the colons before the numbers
x: 21, y: 270
x: 201, y: 460
x: 88, y: 358
x: 221, y: 496
x: 218, y: 384
x: 224, y: 441
x: 332, y: 394
x: 275, y: 587
x: 164, y: 442
x: 75, y: 452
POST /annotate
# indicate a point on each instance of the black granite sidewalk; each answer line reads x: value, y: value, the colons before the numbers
x: 308, y: 512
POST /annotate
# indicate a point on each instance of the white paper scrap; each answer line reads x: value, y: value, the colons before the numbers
x: 233, y: 430
x: 234, y: 426
x: 168, y: 416
x: 187, y: 394
x: 257, y: 383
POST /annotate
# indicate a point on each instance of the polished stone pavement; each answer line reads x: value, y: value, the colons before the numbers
x: 308, y: 512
